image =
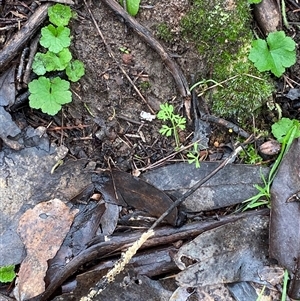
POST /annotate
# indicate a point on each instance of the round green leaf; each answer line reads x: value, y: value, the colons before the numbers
x: 75, y: 70
x: 275, y: 54
x: 7, y: 273
x: 133, y: 7
x: 38, y: 65
x: 48, y: 95
x: 59, y: 14
x: 55, y: 38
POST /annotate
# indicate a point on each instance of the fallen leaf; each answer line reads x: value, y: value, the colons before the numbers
x: 233, y: 252
x: 285, y: 221
x: 231, y: 185
x: 42, y: 230
x: 7, y: 87
x: 123, y: 189
x: 26, y: 180
x: 84, y: 228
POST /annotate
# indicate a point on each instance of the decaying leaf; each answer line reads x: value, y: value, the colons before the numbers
x: 26, y: 180
x: 285, y: 216
x: 123, y: 189
x: 231, y: 185
x: 84, y: 228
x: 42, y: 230
x: 230, y: 253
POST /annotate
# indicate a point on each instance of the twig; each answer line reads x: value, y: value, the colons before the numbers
x: 111, y: 54
x: 19, y: 40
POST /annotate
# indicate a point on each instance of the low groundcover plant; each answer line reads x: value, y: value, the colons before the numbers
x: 49, y: 94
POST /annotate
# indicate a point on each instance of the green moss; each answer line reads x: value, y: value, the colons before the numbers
x: 164, y: 32
x: 144, y: 85
x: 222, y: 33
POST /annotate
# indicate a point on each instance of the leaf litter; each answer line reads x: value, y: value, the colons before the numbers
x: 42, y: 230
x: 285, y: 222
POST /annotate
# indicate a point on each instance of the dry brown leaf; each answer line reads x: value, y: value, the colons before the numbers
x: 42, y: 230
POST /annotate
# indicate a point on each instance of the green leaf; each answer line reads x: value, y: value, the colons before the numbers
x: 55, y: 38
x: 59, y: 14
x: 281, y: 128
x: 275, y: 54
x: 132, y: 7
x: 254, y: 1
x: 64, y: 57
x: 38, y: 64
x: 166, y: 131
x: 7, y: 273
x: 48, y: 95
x: 75, y: 70
x: 50, y: 61
x: 166, y: 112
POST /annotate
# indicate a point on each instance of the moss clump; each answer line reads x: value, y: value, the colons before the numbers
x: 221, y: 31
x: 144, y: 85
x: 164, y: 32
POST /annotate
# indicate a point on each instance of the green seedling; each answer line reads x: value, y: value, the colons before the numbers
x: 7, y: 273
x: 50, y: 61
x: 50, y: 94
x: 250, y: 156
x: 132, y: 6
x: 285, y: 131
x: 175, y: 122
x: 285, y: 285
x: 124, y: 50
x: 254, y: 1
x: 75, y: 70
x: 55, y: 38
x: 193, y: 156
x: 275, y: 54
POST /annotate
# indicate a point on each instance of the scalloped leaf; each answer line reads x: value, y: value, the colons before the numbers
x: 75, y: 70
x: 275, y: 54
x: 55, y: 38
x: 59, y: 14
x: 48, y: 95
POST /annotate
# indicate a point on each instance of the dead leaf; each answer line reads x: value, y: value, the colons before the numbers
x: 7, y: 87
x: 127, y: 286
x: 230, y: 253
x: 42, y: 230
x: 123, y: 189
x: 231, y: 185
x: 26, y: 180
x: 83, y: 229
x: 285, y: 221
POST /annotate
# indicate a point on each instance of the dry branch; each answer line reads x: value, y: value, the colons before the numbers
x: 22, y: 37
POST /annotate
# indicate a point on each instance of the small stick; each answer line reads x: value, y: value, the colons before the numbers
x: 33, y: 49
x: 20, y: 39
